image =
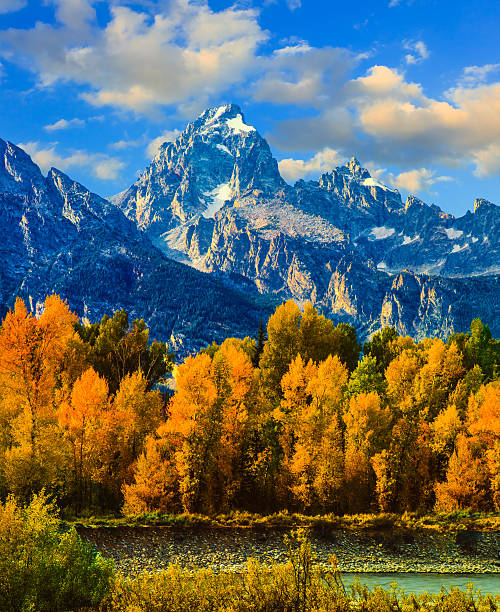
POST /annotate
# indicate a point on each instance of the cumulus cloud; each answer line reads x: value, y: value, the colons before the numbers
x: 293, y: 169
x: 47, y: 156
x: 333, y: 126
x: 142, y: 59
x: 381, y: 82
x: 417, y: 180
x: 11, y: 6
x: 384, y: 117
x: 165, y: 136
x: 418, y: 51
x: 64, y: 124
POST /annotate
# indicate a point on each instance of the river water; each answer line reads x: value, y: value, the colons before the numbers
x: 426, y: 582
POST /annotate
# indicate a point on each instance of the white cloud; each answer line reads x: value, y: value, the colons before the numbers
x: 477, y: 75
x: 122, y: 145
x: 73, y: 13
x: 182, y: 53
x: 383, y: 117
x: 382, y: 82
x: 303, y: 75
x: 418, y: 51
x: 293, y: 169
x: 46, y: 157
x: 108, y: 169
x: 11, y: 6
x: 140, y: 60
x: 487, y: 160
x: 166, y: 136
x: 292, y: 4
x: 64, y: 124
x: 417, y: 180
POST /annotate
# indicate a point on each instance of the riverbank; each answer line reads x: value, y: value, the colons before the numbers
x: 464, y: 520
x: 136, y: 549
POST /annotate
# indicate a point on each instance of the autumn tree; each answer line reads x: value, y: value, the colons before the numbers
x: 438, y: 377
x: 312, y: 434
x: 82, y: 419
x: 129, y: 418
x: 155, y: 486
x: 313, y: 336
x: 205, y: 433
x: 400, y: 376
x: 193, y: 429
x: 367, y: 431
x: 483, y: 420
x: 232, y: 369
x: 31, y: 353
x: 467, y: 479
x: 140, y: 409
x: 445, y: 428
x: 469, y: 384
x: 405, y: 470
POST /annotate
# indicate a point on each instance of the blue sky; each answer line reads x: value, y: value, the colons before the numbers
x: 410, y: 87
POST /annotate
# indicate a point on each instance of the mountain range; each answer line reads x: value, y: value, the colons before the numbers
x: 210, y: 237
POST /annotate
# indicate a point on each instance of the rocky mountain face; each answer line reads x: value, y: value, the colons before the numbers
x: 214, y: 199
x: 59, y: 237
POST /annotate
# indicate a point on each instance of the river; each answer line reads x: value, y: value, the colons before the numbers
x: 413, y: 582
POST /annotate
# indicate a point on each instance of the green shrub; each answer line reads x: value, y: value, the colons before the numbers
x: 43, y: 569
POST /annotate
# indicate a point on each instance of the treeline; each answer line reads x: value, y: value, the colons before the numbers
x: 289, y: 420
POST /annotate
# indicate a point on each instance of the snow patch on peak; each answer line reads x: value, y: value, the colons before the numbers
x: 453, y: 233
x: 457, y: 248
x: 220, y: 111
x: 408, y: 240
x: 219, y: 196
x: 371, y: 182
x: 224, y: 148
x: 236, y: 124
x: 380, y: 233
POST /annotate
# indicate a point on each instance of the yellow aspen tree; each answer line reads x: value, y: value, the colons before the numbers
x: 82, y: 419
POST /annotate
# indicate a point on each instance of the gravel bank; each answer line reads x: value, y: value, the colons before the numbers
x: 153, y: 548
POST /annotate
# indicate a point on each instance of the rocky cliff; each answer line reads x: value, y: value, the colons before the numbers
x: 214, y: 199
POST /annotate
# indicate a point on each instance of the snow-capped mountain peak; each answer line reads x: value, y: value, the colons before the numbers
x: 217, y: 158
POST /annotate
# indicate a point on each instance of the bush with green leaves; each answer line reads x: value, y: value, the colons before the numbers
x: 43, y: 568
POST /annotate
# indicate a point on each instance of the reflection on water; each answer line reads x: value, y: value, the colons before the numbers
x: 432, y: 583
